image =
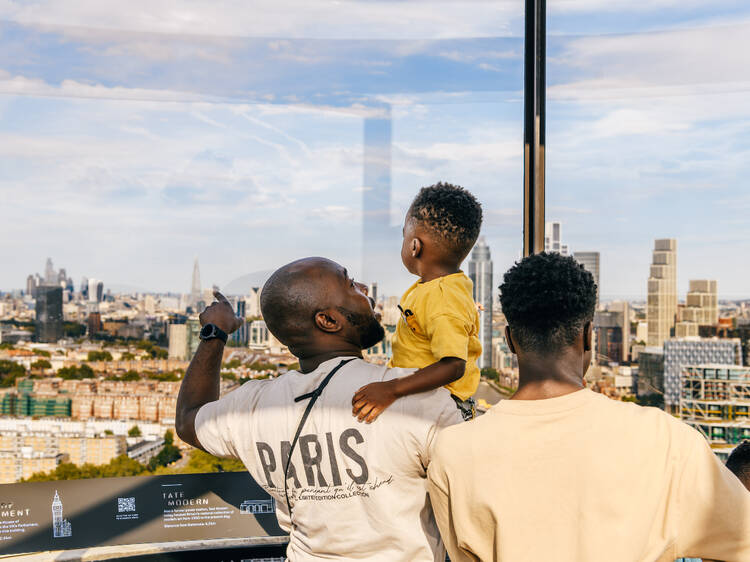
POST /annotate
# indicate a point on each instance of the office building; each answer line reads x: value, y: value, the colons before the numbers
x: 241, y: 335
x: 193, y: 332
x: 679, y: 353
x: 662, y: 292
x: 258, y: 335
x: 612, y: 330
x: 95, y: 292
x: 252, y: 303
x: 553, y: 238
x: 650, y: 371
x: 715, y: 400
x: 49, y: 314
x: 480, y: 273
x: 590, y: 261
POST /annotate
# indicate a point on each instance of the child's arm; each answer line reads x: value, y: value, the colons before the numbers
x: 372, y: 399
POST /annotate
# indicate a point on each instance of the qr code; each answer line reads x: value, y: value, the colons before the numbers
x: 125, y: 504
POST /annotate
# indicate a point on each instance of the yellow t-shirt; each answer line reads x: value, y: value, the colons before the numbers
x: 440, y: 319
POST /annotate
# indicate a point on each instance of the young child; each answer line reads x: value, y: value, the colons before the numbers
x: 439, y: 326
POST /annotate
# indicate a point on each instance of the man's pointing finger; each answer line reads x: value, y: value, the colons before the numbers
x: 221, y: 298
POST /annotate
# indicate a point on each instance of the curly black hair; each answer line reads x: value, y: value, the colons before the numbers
x: 739, y: 462
x: 547, y: 299
x: 452, y: 213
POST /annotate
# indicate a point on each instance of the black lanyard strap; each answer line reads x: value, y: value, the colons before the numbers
x: 313, y: 396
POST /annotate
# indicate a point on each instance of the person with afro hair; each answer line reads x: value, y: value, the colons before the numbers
x: 739, y: 463
x: 439, y: 326
x: 559, y: 472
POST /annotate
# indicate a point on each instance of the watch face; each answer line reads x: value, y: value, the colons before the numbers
x: 207, y: 331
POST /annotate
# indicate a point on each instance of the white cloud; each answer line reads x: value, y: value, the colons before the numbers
x: 344, y: 19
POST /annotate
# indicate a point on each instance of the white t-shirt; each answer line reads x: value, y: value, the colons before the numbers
x: 358, y: 491
x: 583, y: 478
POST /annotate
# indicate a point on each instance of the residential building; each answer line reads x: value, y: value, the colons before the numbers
x: 678, y: 353
x: 177, y: 336
x: 662, y: 292
x: 701, y: 308
x: 480, y: 273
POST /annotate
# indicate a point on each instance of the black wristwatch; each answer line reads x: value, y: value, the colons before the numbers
x: 213, y: 332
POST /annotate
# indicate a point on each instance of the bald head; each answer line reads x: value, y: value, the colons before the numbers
x: 313, y: 297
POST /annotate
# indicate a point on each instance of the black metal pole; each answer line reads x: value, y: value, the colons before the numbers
x: 534, y: 124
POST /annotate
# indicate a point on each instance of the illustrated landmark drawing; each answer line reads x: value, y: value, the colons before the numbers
x: 60, y: 527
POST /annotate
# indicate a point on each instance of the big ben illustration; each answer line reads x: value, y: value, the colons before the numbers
x: 60, y: 527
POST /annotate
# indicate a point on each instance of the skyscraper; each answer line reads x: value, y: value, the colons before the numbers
x: 480, y: 273
x: 662, y: 291
x: 590, y: 261
x: 50, y: 275
x: 95, y: 291
x: 379, y: 239
x: 702, y: 306
x: 195, y: 287
x: 49, y: 314
x: 553, y: 238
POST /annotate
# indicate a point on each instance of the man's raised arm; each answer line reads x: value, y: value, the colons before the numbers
x: 201, y: 383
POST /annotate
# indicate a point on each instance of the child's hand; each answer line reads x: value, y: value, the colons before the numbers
x: 371, y: 400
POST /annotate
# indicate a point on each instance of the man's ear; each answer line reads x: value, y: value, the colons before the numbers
x: 588, y: 330
x: 416, y: 247
x: 329, y: 320
x: 509, y: 340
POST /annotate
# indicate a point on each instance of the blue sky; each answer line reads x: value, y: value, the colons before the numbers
x: 133, y: 140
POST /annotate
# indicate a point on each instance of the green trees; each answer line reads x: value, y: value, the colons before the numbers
x: 258, y: 366
x: 203, y: 462
x: 119, y: 466
x: 99, y: 356
x: 134, y: 431
x: 9, y: 372
x: 169, y: 376
x: 152, y: 350
x: 168, y: 454
x: 130, y: 376
x: 199, y: 462
x: 127, y: 356
x: 233, y: 364
x: 82, y: 372
x: 490, y: 373
x: 74, y: 330
x: 41, y: 364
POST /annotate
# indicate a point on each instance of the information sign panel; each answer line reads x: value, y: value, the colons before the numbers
x: 69, y: 514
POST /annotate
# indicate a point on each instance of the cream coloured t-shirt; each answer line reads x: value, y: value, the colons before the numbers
x: 358, y: 491
x: 583, y: 478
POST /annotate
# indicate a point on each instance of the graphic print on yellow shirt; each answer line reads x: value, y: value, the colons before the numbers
x: 439, y: 319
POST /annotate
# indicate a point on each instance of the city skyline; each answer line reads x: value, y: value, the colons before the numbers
x: 189, y: 290
x: 127, y: 165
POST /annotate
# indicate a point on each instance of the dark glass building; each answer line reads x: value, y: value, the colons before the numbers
x: 49, y: 314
